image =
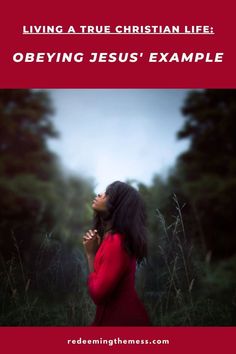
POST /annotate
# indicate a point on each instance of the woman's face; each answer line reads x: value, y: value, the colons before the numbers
x: 100, y: 202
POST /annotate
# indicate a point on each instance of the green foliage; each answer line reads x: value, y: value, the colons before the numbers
x: 76, y: 212
x: 25, y: 304
x: 210, y: 123
x: 179, y: 287
x: 207, y: 171
x: 26, y: 167
x: 24, y: 127
x: 44, y: 213
x: 37, y: 199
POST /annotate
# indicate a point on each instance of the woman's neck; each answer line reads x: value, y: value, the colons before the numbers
x: 106, y: 235
x: 107, y: 229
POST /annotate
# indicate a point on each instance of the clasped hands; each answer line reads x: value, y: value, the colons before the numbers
x: 91, y: 242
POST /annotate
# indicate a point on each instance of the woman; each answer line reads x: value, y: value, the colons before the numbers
x: 113, y: 247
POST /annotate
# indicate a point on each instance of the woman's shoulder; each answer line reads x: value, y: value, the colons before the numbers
x: 114, y: 238
x: 115, y: 243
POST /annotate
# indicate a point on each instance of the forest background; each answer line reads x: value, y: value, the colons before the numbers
x: 189, y: 277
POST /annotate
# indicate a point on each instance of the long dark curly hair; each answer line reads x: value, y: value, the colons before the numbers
x: 126, y: 214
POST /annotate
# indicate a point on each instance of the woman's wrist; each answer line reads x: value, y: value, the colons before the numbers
x: 90, y: 255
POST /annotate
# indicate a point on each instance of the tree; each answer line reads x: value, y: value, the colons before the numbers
x: 25, y: 126
x: 26, y: 166
x: 208, y: 168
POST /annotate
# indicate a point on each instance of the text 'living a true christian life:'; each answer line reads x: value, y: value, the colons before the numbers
x: 119, y: 29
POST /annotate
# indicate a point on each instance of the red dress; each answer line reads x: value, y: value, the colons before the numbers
x: 112, y: 286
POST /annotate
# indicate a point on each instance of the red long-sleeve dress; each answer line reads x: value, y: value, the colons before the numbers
x: 112, y: 286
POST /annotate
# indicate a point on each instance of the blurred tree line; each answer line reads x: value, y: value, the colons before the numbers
x: 44, y: 212
x: 204, y: 177
x: 40, y: 207
x: 207, y: 171
x: 191, y: 276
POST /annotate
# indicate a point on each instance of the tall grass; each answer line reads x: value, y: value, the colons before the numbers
x: 178, y: 285
x: 49, y: 292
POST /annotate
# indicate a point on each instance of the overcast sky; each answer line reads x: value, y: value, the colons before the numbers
x: 118, y: 134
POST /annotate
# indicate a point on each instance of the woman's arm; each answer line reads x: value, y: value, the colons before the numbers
x: 114, y: 264
x: 90, y: 258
